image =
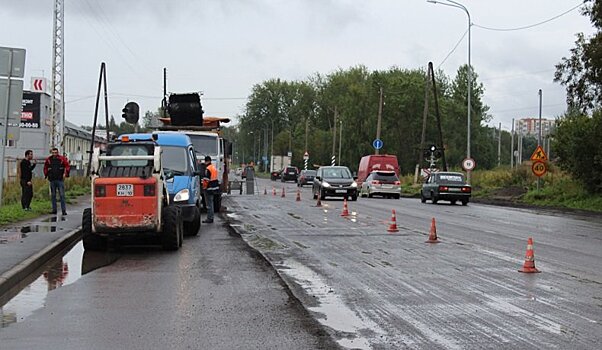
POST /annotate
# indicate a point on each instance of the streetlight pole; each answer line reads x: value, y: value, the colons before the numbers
x: 455, y: 4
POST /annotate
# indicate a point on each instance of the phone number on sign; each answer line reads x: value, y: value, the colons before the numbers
x: 30, y: 125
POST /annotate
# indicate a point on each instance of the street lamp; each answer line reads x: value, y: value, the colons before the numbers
x: 455, y: 4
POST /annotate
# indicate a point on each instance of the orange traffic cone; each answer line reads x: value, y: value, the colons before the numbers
x: 298, y: 199
x: 393, y: 226
x: 265, y: 191
x: 273, y: 191
x: 345, y: 210
x: 433, y: 233
x: 319, y: 202
x: 282, y: 193
x: 529, y: 266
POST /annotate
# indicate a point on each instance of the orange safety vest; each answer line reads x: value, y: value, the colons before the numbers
x: 211, y: 183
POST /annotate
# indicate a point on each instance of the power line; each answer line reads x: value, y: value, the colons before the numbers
x: 531, y: 25
x: 454, y: 49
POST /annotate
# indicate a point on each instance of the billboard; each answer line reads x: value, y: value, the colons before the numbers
x: 30, y: 117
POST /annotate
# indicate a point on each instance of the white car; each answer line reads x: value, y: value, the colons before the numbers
x: 381, y: 183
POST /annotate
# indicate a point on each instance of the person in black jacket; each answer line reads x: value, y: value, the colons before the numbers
x: 56, y: 168
x: 27, y: 165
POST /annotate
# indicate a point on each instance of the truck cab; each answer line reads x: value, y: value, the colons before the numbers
x: 183, y: 175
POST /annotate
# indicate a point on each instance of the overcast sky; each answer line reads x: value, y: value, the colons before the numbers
x: 224, y: 47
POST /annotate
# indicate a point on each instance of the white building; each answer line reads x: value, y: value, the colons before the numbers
x: 35, y: 136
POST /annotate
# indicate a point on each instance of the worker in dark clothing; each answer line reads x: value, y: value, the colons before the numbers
x: 27, y: 165
x: 56, y: 169
x: 211, y: 187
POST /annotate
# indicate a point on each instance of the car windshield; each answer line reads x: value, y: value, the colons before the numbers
x: 337, y: 173
x: 384, y: 176
x: 129, y: 150
x: 204, y: 145
x: 174, y: 160
x: 451, y: 178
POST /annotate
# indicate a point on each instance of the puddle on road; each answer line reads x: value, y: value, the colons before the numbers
x: 336, y: 314
x: 55, y: 219
x: 60, y: 271
x: 40, y: 228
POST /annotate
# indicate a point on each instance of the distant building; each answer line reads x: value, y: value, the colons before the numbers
x: 35, y: 135
x: 530, y: 126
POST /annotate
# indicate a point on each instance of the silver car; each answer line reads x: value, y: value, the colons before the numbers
x: 381, y: 183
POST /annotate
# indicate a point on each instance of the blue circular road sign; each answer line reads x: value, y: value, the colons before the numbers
x: 377, y: 144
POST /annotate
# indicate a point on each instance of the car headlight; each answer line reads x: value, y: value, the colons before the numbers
x: 181, y: 196
x: 354, y: 184
x: 325, y: 184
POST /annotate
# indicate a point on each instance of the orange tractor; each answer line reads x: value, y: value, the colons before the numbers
x: 129, y: 197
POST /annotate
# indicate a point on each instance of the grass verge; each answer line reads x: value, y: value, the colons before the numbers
x: 11, y: 210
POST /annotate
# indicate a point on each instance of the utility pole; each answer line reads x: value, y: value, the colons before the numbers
x: 272, y: 149
x: 334, y: 137
x: 539, y: 136
x: 306, y: 132
x: 340, y: 139
x: 499, y: 146
x: 57, y: 108
x: 380, y: 113
x: 512, y: 146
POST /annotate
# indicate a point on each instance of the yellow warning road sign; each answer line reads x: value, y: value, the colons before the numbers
x: 539, y: 154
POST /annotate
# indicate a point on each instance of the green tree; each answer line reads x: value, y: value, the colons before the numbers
x: 578, y: 147
x: 581, y: 73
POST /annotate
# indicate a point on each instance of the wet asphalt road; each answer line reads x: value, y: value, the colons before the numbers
x: 378, y: 290
x: 215, y: 293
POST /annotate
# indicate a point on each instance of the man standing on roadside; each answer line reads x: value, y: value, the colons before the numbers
x: 56, y: 168
x: 210, y: 185
x: 27, y: 165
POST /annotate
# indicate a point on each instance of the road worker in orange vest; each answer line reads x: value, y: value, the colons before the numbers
x: 210, y: 186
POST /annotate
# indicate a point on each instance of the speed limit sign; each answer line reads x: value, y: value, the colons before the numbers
x: 468, y: 164
x: 539, y: 168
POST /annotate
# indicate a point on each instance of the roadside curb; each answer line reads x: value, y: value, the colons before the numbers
x: 19, y: 272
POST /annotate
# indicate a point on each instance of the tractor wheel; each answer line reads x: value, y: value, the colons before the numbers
x: 191, y: 228
x: 92, y: 242
x: 172, y: 228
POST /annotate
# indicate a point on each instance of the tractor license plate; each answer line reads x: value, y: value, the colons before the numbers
x: 125, y: 190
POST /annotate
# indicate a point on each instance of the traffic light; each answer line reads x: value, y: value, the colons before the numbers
x: 131, y: 112
x: 433, y: 151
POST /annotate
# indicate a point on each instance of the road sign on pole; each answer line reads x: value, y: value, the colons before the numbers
x: 12, y: 62
x: 377, y: 144
x: 12, y: 65
x: 539, y: 168
x: 468, y: 164
x: 539, y: 154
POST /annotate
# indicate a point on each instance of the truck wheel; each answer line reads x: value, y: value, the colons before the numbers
x: 92, y: 242
x: 191, y: 228
x: 172, y: 228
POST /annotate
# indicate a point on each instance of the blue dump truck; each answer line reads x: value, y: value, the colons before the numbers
x: 182, y: 175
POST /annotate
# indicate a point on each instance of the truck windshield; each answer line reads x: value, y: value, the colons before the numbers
x: 129, y: 150
x: 174, y: 160
x: 204, y: 144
